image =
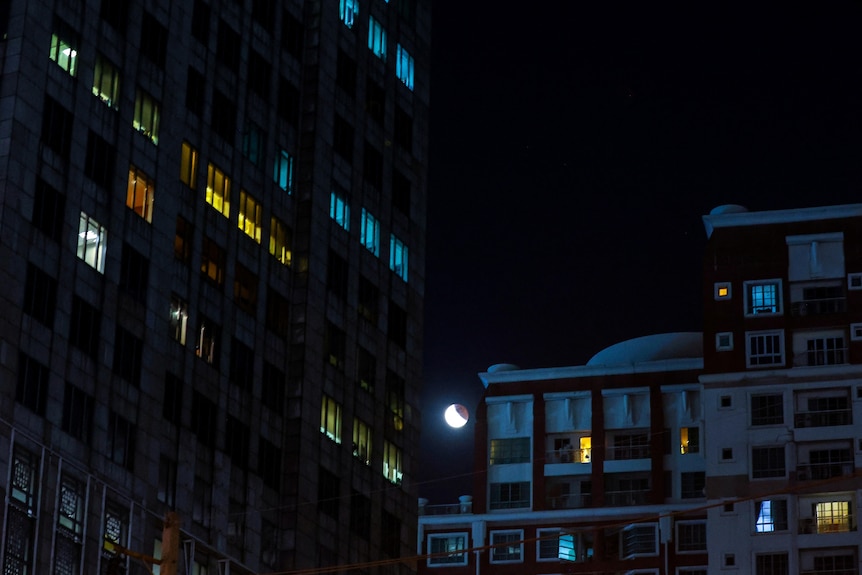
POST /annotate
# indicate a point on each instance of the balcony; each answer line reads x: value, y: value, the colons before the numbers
x: 825, y: 418
x: 569, y: 456
x: 820, y: 306
x: 810, y: 525
x: 625, y: 498
x: 833, y: 355
x: 819, y: 471
x: 575, y: 501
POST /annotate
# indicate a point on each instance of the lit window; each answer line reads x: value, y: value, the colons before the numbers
x: 507, y: 546
x: 207, y: 338
x: 92, y: 242
x: 139, y: 195
x: 392, y: 465
x: 376, y: 38
x: 146, y: 119
x: 106, y: 81
x: 70, y: 516
x: 189, y: 166
x: 447, y: 549
x: 764, y: 348
x: 213, y: 262
x: 330, y: 419
x: 62, y: 48
x: 404, y: 67
x: 398, y: 257
x: 770, y: 515
x: 722, y: 290
x: 370, y: 232
x: 348, y: 9
x: 280, y: 241
x: 361, y: 441
x: 689, y: 440
x: 250, y: 213
x: 763, y: 297
x: 283, y: 171
x: 179, y: 318
x: 339, y: 210
x: 218, y: 190
x: 833, y: 516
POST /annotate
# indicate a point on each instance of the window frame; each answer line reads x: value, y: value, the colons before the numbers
x: 370, y: 232
x: 377, y: 38
x: 140, y: 192
x: 93, y: 256
x: 750, y: 310
x: 753, y: 361
x: 147, y: 115
x: 768, y: 472
x: 690, y: 548
x: 404, y: 66
x: 398, y: 257
x: 250, y: 216
x: 218, y: 190
x: 507, y: 544
x: 458, y: 556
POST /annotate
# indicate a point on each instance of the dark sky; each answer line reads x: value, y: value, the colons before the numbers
x: 574, y: 150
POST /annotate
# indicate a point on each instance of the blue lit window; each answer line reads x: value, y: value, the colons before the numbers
x: 283, y: 172
x: 348, y: 9
x: 398, y: 257
x: 370, y: 232
x: 763, y: 297
x: 339, y: 210
x: 404, y: 67
x: 376, y: 38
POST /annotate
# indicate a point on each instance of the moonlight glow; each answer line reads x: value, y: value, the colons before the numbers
x: 456, y: 415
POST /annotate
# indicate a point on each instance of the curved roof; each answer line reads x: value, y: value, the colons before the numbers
x: 658, y: 347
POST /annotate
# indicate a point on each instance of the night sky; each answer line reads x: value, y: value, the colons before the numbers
x: 574, y: 150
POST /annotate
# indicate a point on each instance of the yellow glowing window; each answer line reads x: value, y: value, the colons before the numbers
x: 689, y: 440
x: 586, y: 449
x: 832, y: 516
x: 330, y: 419
x: 139, y: 193
x: 218, y: 190
x: 723, y: 291
x: 189, y: 166
x: 249, y: 215
x: 280, y: 240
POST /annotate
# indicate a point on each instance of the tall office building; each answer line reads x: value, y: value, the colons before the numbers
x: 213, y: 223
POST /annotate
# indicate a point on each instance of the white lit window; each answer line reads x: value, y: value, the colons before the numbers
x: 557, y: 545
x: 283, y: 171
x: 339, y: 210
x: 763, y: 297
x: 404, y: 67
x: 361, y: 441
x: 62, y: 49
x: 348, y: 10
x: 764, y: 348
x: 447, y: 549
x: 179, y: 318
x: 146, y: 119
x: 398, y: 257
x: 770, y: 515
x: 92, y: 242
x: 507, y: 546
x: 392, y: 464
x: 370, y: 232
x: 376, y: 38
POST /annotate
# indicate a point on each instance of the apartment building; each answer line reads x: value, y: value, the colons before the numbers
x: 213, y: 243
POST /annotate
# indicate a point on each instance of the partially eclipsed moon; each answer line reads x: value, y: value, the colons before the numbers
x: 456, y: 415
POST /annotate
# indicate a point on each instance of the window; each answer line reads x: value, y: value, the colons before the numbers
x: 280, y: 241
x: 767, y: 409
x: 690, y: 536
x: 514, y: 450
x: 40, y: 295
x: 398, y: 257
x: 376, y: 38
x: 277, y: 313
x: 447, y: 549
x: 84, y: 327
x: 189, y: 166
x: 283, y: 173
x: 396, y: 328
x: 375, y: 100
x: 99, y: 161
x: 767, y: 462
x: 259, y: 72
x: 139, y: 194
x: 392, y: 465
x: 826, y: 351
x: 269, y: 463
x: 172, y: 403
x: 404, y: 67
x: 328, y: 492
x: 213, y: 262
x: 201, y: 508
x: 763, y: 297
x: 765, y: 348
x: 273, y: 386
x: 292, y: 33
x: 241, y: 364
x: 689, y: 440
x: 183, y: 240
x: 218, y: 190
x: 195, y: 92
x: 330, y: 418
x: 49, y: 208
x: 855, y: 330
x: 179, y: 318
x: 236, y: 441
x: 770, y: 515
x: 366, y: 370
x: 70, y: 525
x: 854, y: 281
x: 146, y: 119
x: 692, y: 484
x: 63, y: 51
x: 395, y: 399
x: 639, y: 540
x: 154, y: 40
x: 372, y: 169
x: 510, y: 495
x: 32, y: 389
x: 250, y: 215
x: 361, y: 441
x: 345, y: 73
x: 724, y: 341
x: 56, y: 127
x: 833, y: 517
x: 360, y: 514
x: 77, y: 413
x: 128, y: 351
x: 342, y: 138
x: 556, y: 545
x: 245, y: 288
x: 115, y: 15
x: 339, y: 209
x: 121, y: 442
x: 348, y: 10
x: 334, y: 346
x: 727, y: 454
x: 403, y: 129
x: 167, y: 493
x: 223, y: 118
x: 203, y: 419
x: 629, y: 445
x: 228, y: 46
x: 207, y: 345
x: 368, y: 297
x: 722, y: 291
x: 106, y: 81
x: 288, y: 101
x: 370, y: 232
x: 771, y: 564
x: 507, y: 546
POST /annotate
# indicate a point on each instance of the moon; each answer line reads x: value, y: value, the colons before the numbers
x: 456, y: 415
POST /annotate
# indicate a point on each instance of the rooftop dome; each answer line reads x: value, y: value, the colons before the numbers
x: 658, y: 347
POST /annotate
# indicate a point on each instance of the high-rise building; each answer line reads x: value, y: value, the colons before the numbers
x: 233, y: 194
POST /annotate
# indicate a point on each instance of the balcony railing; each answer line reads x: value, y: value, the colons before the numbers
x: 808, y: 525
x: 628, y: 452
x: 826, y: 418
x: 819, y: 306
x: 568, y: 456
x: 578, y: 501
x: 835, y: 356
x: 817, y: 471
x: 831, y: 571
x: 622, y: 498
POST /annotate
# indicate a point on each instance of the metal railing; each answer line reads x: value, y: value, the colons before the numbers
x: 568, y: 456
x: 817, y: 471
x: 825, y: 418
x: 835, y: 356
x: 618, y: 453
x: 819, y: 306
x: 577, y: 501
x: 621, y: 498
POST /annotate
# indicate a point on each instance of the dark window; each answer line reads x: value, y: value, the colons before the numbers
x: 692, y: 485
x: 84, y: 327
x: 403, y: 129
x: 345, y: 73
x: 40, y: 295
x: 203, y: 419
x: 336, y: 275
x: 195, y: 86
x: 397, y: 325
x: 167, y: 481
x: 407, y: 10
x: 32, y: 390
x: 342, y: 138
x: 375, y: 100
x: 121, y: 442
x: 245, y: 288
x: 328, y: 493
x: 272, y: 392
x: 292, y: 35
x: 773, y: 564
x: 395, y: 385
x: 360, y: 514
x: 49, y: 208
x: 115, y: 14
x: 172, y: 406
x: 390, y: 534
x: 77, y: 413
x: 183, y: 240
x: 263, y: 12
x: 154, y: 40
x: 366, y: 370
x: 213, y: 262
x: 99, y: 164
x: 373, y: 166
x: 208, y: 344
x: 259, y: 71
x: 767, y: 409
x: 334, y: 345
x: 252, y: 142
x: 236, y: 442
x: 401, y: 192
x: 134, y: 273
x: 200, y: 22
x: 767, y: 462
x: 224, y: 117
x: 228, y: 47
x: 369, y: 295
x: 128, y: 351
x: 269, y: 463
x: 57, y: 127
x: 277, y: 313
x: 288, y: 101
x: 241, y: 364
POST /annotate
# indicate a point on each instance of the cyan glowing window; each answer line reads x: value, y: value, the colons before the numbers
x: 348, y: 10
x: 404, y: 67
x: 370, y: 233
x: 376, y: 38
x: 92, y: 242
x: 339, y: 210
x: 763, y: 297
x: 283, y: 171
x: 398, y: 257
x: 392, y: 464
